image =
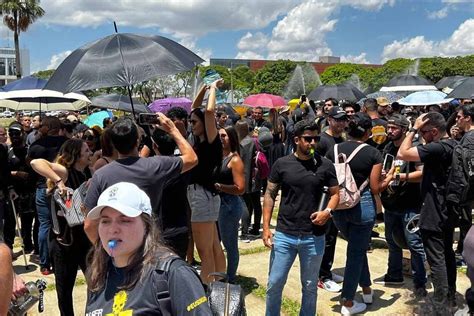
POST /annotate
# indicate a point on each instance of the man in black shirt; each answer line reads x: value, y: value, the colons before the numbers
x: 337, y: 119
x: 46, y: 147
x: 300, y: 224
x: 378, y: 139
x: 402, y: 202
x: 436, y: 223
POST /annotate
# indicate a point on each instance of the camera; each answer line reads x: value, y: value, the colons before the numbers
x: 148, y: 119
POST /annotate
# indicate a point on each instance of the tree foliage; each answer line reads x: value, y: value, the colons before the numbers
x: 273, y: 77
x: 18, y: 15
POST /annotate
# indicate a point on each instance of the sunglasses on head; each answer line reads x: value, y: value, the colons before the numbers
x: 311, y: 138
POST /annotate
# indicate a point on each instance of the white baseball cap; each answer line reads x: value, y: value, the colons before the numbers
x: 124, y: 197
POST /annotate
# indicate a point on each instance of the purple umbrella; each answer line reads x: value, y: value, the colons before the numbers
x: 163, y: 105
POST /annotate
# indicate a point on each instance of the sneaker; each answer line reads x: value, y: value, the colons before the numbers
x: 355, y: 309
x: 254, y: 232
x: 46, y: 271
x: 244, y: 238
x: 329, y: 285
x: 388, y: 280
x: 420, y: 292
x: 337, y: 278
x: 368, y: 298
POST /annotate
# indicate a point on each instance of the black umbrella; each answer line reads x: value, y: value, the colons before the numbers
x: 448, y: 81
x: 121, y: 60
x: 463, y: 91
x: 408, y: 83
x: 340, y: 92
x: 118, y: 102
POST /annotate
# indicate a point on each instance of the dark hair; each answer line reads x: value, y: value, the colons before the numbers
x: 177, y: 113
x: 105, y: 121
x: 52, y: 123
x: 68, y: 155
x: 258, y: 108
x: 166, y: 144
x: 436, y: 120
x: 124, y: 135
x: 353, y: 105
x: 233, y: 139
x: 332, y: 100
x: 359, y: 124
x: 67, y: 125
x: 468, y: 110
x: 242, y: 128
x: 371, y: 104
x: 305, y: 125
x: 450, y: 122
x: 106, y: 143
x: 199, y: 112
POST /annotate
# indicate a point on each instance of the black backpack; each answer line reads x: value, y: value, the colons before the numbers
x: 460, y: 185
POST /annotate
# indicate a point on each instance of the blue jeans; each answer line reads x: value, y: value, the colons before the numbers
x: 229, y: 216
x: 356, y: 224
x: 398, y: 220
x: 310, y: 250
x: 44, y: 216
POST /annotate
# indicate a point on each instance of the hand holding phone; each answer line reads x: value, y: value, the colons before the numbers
x: 148, y: 119
x: 388, y: 162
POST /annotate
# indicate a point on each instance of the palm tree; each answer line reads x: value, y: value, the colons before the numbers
x: 18, y: 15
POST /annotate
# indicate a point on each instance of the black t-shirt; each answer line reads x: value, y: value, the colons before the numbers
x: 185, y: 290
x: 302, y: 182
x: 17, y: 161
x: 378, y: 139
x: 210, y: 158
x: 437, y: 158
x: 5, y: 175
x: 45, y: 148
x: 361, y: 165
x: 326, y: 143
x: 406, y: 195
x: 174, y: 206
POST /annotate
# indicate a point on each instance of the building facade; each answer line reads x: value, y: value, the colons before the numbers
x: 8, y: 64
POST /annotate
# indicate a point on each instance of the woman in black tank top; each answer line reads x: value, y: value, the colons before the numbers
x: 230, y: 184
x: 68, y: 249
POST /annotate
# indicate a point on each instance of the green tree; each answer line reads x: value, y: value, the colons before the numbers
x: 273, y: 77
x: 18, y: 15
x: 44, y: 74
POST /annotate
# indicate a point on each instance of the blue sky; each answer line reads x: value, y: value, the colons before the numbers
x: 364, y: 31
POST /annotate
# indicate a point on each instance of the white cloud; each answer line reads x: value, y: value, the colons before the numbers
x: 57, y: 59
x: 440, y: 14
x: 461, y: 42
x: 249, y: 55
x: 360, y: 59
x: 251, y: 41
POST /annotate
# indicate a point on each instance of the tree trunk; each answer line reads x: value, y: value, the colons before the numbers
x: 17, y: 48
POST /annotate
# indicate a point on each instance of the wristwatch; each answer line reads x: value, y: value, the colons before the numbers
x: 413, y: 130
x: 331, y: 212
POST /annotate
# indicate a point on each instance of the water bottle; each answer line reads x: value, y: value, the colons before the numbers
x: 22, y: 304
x: 323, y: 202
x: 211, y: 76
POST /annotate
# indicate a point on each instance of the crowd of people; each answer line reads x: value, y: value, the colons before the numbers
x: 155, y: 193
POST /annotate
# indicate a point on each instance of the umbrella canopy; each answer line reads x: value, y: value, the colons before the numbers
x: 448, y: 82
x: 408, y: 83
x: 264, y: 100
x: 390, y: 96
x: 339, y: 92
x: 424, y: 98
x: 121, y: 60
x: 28, y: 94
x: 97, y: 118
x: 163, y: 105
x: 464, y: 91
x: 118, y: 102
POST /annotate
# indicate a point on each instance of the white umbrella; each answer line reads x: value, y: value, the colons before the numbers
x: 425, y: 98
x: 42, y: 100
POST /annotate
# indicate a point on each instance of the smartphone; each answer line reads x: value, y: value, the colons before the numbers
x: 388, y: 162
x: 303, y: 97
x: 148, y: 119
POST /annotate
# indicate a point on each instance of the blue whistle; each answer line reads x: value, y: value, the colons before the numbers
x: 112, y: 244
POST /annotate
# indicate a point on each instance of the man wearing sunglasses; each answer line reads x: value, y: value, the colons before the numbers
x: 301, y: 223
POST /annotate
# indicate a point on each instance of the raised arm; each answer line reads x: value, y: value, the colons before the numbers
x: 210, y: 112
x: 197, y: 102
x: 188, y: 155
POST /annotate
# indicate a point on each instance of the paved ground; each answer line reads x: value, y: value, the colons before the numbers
x: 254, y: 268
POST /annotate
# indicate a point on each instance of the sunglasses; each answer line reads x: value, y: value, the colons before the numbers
x: 309, y: 139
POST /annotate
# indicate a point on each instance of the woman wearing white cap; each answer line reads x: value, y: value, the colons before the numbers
x: 128, y: 273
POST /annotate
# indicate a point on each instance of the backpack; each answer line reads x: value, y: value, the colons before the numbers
x: 349, y: 193
x: 224, y: 298
x: 460, y: 184
x: 262, y: 167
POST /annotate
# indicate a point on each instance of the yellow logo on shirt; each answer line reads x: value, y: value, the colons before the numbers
x: 196, y: 303
x: 379, y: 136
x: 120, y: 299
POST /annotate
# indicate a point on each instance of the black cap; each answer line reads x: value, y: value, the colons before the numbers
x: 399, y: 120
x: 337, y: 112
